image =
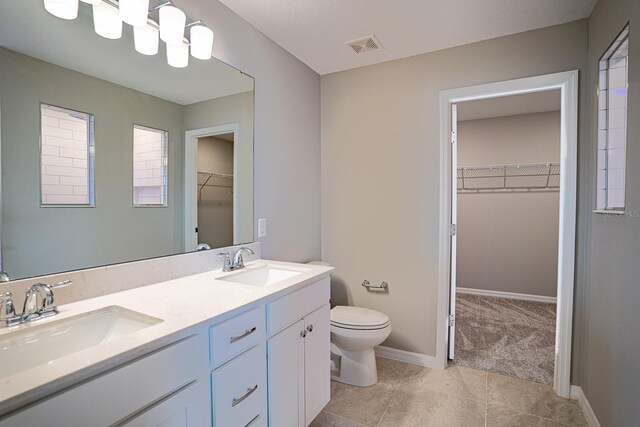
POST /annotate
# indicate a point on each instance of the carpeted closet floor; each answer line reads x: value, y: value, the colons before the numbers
x: 506, y: 336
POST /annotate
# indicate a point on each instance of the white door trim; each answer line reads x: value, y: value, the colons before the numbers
x: 191, y: 180
x: 567, y: 83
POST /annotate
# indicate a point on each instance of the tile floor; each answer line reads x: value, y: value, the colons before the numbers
x: 409, y: 395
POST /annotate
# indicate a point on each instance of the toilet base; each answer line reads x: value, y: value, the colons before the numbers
x: 357, y: 368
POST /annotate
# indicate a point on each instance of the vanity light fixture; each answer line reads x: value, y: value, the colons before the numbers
x: 201, y: 41
x: 64, y: 9
x: 134, y: 12
x: 108, y: 16
x: 146, y: 38
x: 178, y: 54
x: 172, y: 23
x: 106, y: 20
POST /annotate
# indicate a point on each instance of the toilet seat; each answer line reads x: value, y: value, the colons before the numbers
x: 358, y: 318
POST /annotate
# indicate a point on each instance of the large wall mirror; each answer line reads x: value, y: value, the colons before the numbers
x: 110, y: 156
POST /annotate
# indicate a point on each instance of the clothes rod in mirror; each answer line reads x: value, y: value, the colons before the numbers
x: 517, y: 177
x: 109, y: 16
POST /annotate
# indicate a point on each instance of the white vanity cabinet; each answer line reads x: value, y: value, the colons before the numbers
x: 298, y: 355
x: 150, y: 391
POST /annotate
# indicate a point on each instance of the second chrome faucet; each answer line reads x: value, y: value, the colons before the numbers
x: 237, y: 262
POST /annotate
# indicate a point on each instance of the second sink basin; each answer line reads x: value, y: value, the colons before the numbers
x: 41, y: 344
x: 262, y: 276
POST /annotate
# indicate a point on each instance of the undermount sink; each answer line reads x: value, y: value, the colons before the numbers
x: 43, y: 344
x: 262, y: 276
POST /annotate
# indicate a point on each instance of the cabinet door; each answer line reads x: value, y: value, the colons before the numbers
x: 316, y: 362
x: 286, y: 377
x: 182, y: 409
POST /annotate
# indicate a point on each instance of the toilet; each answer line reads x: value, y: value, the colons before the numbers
x: 355, y: 331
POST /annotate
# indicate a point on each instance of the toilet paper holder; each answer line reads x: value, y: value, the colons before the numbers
x: 369, y: 286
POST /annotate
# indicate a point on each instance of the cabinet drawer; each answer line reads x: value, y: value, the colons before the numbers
x: 293, y: 307
x: 236, y: 335
x: 116, y: 395
x: 240, y: 391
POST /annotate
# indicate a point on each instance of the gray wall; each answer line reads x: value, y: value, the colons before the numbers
x: 43, y: 240
x: 380, y: 167
x: 287, y: 132
x: 508, y: 241
x: 610, y: 344
x: 215, y: 204
x: 234, y: 109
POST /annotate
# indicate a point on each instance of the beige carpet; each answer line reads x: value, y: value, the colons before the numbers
x: 506, y: 336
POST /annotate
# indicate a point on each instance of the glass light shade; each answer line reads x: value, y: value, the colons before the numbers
x: 106, y: 21
x: 146, y: 39
x: 64, y: 9
x: 172, y: 22
x: 178, y: 54
x: 201, y: 42
x: 134, y: 12
x: 91, y: 1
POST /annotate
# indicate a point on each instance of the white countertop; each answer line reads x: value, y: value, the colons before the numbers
x: 182, y: 304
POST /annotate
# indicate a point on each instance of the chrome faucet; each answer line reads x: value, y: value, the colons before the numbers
x: 238, y: 261
x: 31, y: 310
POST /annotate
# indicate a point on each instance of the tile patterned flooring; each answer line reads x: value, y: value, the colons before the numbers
x: 413, y: 396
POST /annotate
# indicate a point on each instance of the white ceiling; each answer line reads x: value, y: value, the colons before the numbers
x: 27, y: 28
x: 537, y: 102
x: 314, y: 30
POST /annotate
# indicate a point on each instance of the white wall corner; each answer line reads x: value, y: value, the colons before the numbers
x: 409, y: 357
x: 578, y: 394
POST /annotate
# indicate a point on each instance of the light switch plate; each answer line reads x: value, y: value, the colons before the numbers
x: 262, y: 227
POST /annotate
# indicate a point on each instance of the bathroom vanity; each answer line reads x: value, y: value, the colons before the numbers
x: 245, y: 348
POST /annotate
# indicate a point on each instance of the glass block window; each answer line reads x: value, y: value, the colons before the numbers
x: 150, y: 159
x: 612, y: 124
x: 66, y: 157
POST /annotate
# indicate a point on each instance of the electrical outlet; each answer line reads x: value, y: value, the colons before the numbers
x: 262, y: 227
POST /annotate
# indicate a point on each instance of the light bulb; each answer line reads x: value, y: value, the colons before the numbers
x: 64, y: 9
x: 134, y: 12
x: 106, y: 20
x: 172, y: 22
x: 201, y: 42
x: 178, y: 54
x: 146, y: 39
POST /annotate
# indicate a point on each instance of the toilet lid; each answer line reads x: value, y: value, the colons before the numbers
x: 357, y: 317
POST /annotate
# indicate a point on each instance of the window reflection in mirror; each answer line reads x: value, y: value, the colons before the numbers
x: 66, y: 157
x: 150, y: 160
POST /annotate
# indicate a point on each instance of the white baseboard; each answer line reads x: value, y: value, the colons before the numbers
x: 511, y: 295
x: 578, y: 394
x: 408, y: 357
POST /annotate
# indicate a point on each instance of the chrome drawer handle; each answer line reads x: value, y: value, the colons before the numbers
x: 253, y: 420
x: 249, y: 392
x: 239, y: 337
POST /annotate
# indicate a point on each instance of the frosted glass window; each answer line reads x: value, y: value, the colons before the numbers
x: 150, y: 158
x: 612, y: 124
x: 66, y: 157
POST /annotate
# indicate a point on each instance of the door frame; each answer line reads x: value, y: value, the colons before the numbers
x: 567, y: 83
x: 191, y: 180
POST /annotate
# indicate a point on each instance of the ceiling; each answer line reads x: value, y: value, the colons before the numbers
x: 536, y: 102
x: 314, y: 31
x: 26, y: 27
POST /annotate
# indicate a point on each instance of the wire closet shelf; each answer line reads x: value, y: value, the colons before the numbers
x: 214, y: 179
x: 520, y: 177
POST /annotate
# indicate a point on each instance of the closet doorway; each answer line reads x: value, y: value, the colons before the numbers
x: 506, y: 201
x: 567, y: 84
x: 210, y: 180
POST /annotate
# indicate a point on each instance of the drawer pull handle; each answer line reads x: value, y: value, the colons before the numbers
x: 253, y: 421
x: 310, y: 328
x: 239, y: 337
x: 249, y: 392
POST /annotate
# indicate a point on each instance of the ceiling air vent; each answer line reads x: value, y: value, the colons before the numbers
x: 365, y: 44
